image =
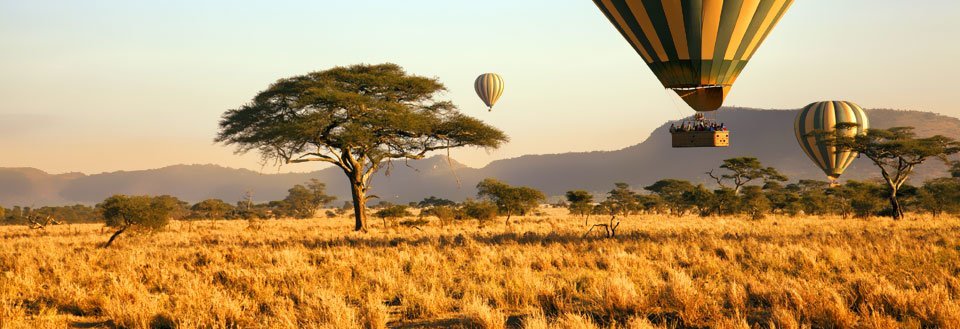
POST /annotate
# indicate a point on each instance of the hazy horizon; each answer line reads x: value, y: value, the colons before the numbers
x: 112, y: 85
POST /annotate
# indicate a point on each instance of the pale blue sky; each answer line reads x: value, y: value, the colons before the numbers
x: 98, y: 86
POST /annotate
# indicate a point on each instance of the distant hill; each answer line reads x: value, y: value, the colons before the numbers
x: 765, y: 134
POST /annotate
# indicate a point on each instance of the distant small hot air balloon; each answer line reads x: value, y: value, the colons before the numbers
x: 489, y: 87
x: 696, y: 48
x: 824, y: 117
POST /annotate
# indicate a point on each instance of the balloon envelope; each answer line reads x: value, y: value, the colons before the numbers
x: 489, y: 87
x: 695, y: 47
x: 824, y: 117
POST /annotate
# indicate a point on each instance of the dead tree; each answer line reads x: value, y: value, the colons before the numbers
x: 610, y: 229
x: 36, y: 224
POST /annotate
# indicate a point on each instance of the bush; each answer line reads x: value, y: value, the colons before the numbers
x: 443, y: 213
x: 754, y: 202
x: 211, y: 209
x: 125, y: 212
x: 392, y: 212
x: 481, y: 211
x: 395, y: 211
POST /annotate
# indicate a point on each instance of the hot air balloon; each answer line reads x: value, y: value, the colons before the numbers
x: 821, y: 118
x: 696, y: 48
x: 489, y: 87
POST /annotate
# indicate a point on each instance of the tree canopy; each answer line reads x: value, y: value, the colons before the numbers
x: 743, y: 170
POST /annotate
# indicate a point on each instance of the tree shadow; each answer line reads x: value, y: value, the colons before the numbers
x: 526, y: 238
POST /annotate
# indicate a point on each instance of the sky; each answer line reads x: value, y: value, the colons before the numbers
x: 99, y: 86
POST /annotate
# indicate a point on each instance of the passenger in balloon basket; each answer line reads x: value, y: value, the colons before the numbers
x: 699, y: 123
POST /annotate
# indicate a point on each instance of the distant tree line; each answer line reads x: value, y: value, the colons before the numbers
x: 770, y: 196
x: 302, y: 201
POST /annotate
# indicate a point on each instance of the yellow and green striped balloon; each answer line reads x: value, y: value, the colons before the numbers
x: 695, y: 47
x: 489, y: 87
x: 824, y: 117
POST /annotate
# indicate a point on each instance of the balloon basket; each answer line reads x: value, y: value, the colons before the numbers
x: 684, y: 139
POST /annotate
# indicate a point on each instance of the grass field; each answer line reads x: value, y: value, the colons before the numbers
x: 537, y: 273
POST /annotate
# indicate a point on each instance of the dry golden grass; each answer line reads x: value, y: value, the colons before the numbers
x: 538, y: 273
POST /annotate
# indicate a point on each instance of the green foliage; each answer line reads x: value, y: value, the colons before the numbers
x: 672, y: 191
x: 579, y: 202
x: 940, y: 196
x: 393, y: 212
x: 895, y: 151
x: 355, y: 118
x: 783, y: 200
x: 179, y: 209
x: 510, y: 200
x: 700, y: 199
x: 814, y: 196
x: 211, y: 209
x: 246, y: 209
x: 741, y: 171
x: 433, y: 201
x: 865, y: 198
x: 64, y: 214
x: 304, y: 201
x: 444, y: 214
x: 141, y: 211
x: 754, y: 202
x: 725, y: 201
x: 414, y: 222
x: 482, y: 211
x: 621, y: 201
x: 276, y: 209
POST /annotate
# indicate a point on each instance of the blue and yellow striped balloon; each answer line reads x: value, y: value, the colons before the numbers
x: 824, y: 117
x: 489, y: 87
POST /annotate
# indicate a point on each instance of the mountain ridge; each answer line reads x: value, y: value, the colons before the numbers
x: 765, y: 134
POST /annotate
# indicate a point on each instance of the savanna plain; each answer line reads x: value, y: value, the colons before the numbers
x: 538, y: 272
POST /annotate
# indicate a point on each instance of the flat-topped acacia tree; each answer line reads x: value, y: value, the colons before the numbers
x: 357, y: 118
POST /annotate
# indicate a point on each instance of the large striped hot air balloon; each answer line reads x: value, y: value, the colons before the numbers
x: 697, y: 48
x: 489, y: 87
x: 822, y: 118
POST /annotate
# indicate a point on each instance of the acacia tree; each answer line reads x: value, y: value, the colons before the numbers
x: 671, y: 191
x: 510, y: 199
x: 621, y: 201
x: 741, y: 171
x: 303, y: 201
x: 580, y: 203
x: 357, y: 118
x: 211, y: 209
x: 125, y: 212
x: 392, y: 213
x: 896, y: 151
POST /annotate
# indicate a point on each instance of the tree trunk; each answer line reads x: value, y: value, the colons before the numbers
x: 895, y: 205
x: 359, y: 204
x: 114, y: 236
